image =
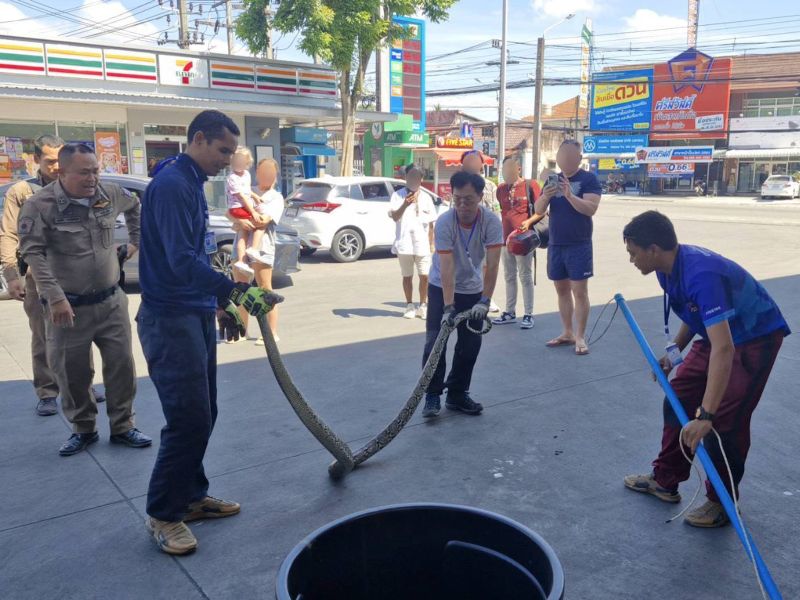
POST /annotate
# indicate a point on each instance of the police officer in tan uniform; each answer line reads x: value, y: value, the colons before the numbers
x: 66, y: 233
x: 20, y: 284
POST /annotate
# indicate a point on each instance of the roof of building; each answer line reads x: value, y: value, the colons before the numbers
x: 754, y: 71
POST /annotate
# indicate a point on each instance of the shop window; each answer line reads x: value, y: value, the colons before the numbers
x: 16, y: 147
x: 77, y: 133
x: 166, y: 130
x: 751, y: 112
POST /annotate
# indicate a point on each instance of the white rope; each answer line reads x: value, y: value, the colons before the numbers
x: 733, y: 495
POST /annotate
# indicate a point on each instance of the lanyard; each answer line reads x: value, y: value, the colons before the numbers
x: 471, y: 231
x: 666, y: 315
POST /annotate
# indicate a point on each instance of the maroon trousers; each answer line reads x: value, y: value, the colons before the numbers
x: 752, y: 364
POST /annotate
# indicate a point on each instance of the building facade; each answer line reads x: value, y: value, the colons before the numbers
x: 133, y: 105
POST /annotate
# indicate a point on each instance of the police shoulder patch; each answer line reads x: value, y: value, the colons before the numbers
x: 25, y: 226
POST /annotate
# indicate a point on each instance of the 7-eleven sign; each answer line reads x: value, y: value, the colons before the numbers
x: 182, y: 71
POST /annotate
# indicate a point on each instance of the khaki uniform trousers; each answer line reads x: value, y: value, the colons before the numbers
x: 44, y: 380
x: 108, y: 326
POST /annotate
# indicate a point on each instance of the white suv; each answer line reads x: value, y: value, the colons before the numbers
x: 346, y: 215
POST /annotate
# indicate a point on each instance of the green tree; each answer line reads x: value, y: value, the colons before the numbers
x: 342, y: 33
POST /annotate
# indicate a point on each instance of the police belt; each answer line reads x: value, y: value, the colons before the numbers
x: 89, y: 299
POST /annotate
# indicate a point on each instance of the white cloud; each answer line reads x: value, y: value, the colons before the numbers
x: 16, y: 22
x: 648, y: 25
x: 119, y: 24
x: 561, y: 8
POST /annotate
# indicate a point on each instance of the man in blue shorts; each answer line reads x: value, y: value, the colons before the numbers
x: 572, y: 203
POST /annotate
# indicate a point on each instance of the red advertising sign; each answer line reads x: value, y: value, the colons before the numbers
x: 107, y: 148
x: 691, y: 96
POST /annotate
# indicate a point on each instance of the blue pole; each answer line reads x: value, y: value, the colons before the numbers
x: 702, y: 454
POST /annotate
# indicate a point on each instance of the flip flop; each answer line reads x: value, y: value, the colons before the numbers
x: 581, y: 350
x: 559, y: 341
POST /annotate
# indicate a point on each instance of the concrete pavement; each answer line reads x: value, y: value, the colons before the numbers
x: 558, y: 434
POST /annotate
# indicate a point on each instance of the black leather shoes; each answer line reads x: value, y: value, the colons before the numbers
x: 78, y: 442
x: 133, y: 438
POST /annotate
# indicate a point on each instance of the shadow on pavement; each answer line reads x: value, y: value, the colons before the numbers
x: 557, y: 435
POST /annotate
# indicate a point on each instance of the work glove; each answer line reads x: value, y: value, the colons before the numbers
x: 449, y: 316
x: 231, y: 326
x: 479, y: 311
x: 255, y: 300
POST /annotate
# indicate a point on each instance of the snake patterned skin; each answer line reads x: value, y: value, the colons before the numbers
x: 346, y: 460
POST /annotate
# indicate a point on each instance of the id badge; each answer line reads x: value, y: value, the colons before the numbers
x: 211, y: 242
x: 674, y: 354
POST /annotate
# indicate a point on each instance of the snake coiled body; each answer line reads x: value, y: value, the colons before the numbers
x: 346, y: 460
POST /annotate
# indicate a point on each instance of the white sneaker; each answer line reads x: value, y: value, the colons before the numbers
x: 244, y: 268
x: 493, y: 308
x: 260, y: 340
x: 410, y: 311
x: 253, y: 254
x: 422, y: 312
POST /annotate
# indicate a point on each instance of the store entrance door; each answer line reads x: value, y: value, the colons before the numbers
x: 158, y: 150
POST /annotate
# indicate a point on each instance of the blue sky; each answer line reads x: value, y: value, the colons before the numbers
x: 626, y: 32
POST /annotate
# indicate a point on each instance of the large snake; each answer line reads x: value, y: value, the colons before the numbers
x: 346, y: 460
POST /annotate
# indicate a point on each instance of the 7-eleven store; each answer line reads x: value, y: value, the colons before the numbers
x: 134, y: 104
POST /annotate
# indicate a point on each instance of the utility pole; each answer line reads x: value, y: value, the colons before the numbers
x: 501, y: 121
x: 537, y: 108
x: 183, y: 25
x: 229, y: 24
x: 691, y: 23
x: 268, y: 16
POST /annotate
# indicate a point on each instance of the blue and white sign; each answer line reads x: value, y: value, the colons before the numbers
x: 613, y: 144
x: 621, y: 100
x: 674, y: 154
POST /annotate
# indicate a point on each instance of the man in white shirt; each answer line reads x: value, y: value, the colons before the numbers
x: 413, y: 212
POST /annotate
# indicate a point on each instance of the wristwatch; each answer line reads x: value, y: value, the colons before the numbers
x: 485, y: 300
x: 703, y: 415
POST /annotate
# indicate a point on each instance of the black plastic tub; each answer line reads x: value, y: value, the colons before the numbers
x: 422, y: 552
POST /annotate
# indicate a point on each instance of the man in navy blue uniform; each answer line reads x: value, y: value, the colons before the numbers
x: 180, y: 295
x: 721, y: 379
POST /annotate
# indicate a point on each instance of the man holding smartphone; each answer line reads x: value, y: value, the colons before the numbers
x: 573, y: 199
x: 414, y: 213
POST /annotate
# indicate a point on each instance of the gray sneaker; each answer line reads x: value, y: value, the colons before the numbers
x: 433, y: 404
x: 527, y: 322
x: 47, y: 407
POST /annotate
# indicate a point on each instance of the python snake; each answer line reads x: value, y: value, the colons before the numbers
x: 346, y: 460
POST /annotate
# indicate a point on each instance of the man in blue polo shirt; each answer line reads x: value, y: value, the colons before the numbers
x: 721, y: 379
x: 180, y: 295
x: 572, y: 204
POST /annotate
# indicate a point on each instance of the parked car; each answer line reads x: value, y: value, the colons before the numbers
x: 286, y: 252
x: 780, y: 186
x: 345, y: 215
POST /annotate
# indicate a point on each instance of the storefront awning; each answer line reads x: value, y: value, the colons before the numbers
x: 452, y: 156
x: 763, y: 153
x: 312, y: 149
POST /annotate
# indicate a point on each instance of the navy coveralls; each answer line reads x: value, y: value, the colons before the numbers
x: 180, y: 293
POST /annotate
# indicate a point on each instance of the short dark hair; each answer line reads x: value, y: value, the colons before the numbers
x: 52, y: 141
x: 69, y: 150
x: 412, y: 167
x: 468, y: 152
x: 462, y: 179
x: 511, y: 157
x: 572, y: 142
x: 213, y: 124
x: 651, y: 227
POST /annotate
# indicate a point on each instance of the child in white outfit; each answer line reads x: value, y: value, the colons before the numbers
x: 243, y: 203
